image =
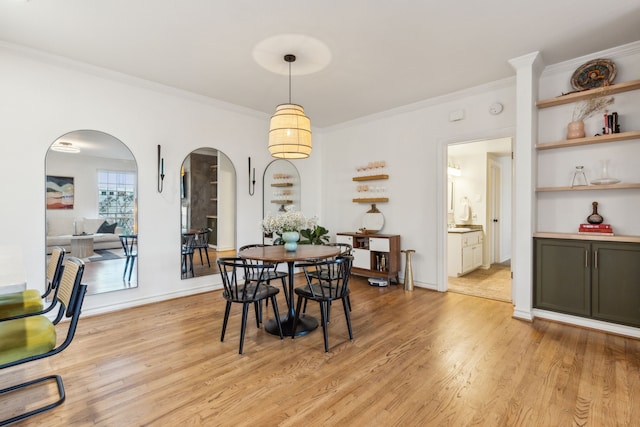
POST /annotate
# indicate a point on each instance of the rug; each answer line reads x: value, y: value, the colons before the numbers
x: 105, y: 255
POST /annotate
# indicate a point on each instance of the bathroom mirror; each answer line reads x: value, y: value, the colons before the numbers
x: 207, y: 211
x: 91, y: 200
x: 280, y: 189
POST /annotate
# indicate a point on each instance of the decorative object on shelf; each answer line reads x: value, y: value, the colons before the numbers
x: 375, y: 168
x: 290, y: 239
x: 595, y: 73
x: 372, y: 221
x: 596, y: 229
x: 575, y: 129
x: 595, y: 217
x: 585, y: 110
x: 252, y: 183
x: 290, y: 129
x: 579, y: 177
x: 408, y: 270
x: 604, y: 175
x: 611, y: 124
x: 160, y: 170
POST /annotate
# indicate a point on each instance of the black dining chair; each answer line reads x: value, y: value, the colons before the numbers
x: 324, y: 289
x: 271, y: 274
x: 188, y: 247
x: 29, y: 301
x: 129, y: 244
x: 202, y: 242
x: 239, y: 290
x: 345, y: 250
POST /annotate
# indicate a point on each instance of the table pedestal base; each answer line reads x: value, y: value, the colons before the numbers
x: 305, y: 325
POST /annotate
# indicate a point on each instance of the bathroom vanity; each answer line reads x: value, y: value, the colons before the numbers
x: 464, y: 250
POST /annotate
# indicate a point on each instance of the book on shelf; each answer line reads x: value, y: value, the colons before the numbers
x: 596, y: 226
x: 597, y: 233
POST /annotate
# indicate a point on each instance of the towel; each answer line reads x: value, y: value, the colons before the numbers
x: 464, y: 212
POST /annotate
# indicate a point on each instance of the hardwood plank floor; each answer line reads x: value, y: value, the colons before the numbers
x: 418, y: 358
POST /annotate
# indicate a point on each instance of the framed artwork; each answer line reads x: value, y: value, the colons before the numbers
x: 59, y: 192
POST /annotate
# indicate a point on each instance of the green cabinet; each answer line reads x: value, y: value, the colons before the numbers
x: 563, y: 276
x: 595, y: 279
x: 615, y: 283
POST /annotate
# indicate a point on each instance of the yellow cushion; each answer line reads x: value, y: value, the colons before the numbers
x: 18, y: 303
x: 26, y: 337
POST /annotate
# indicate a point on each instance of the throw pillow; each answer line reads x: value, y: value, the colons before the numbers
x: 107, y: 228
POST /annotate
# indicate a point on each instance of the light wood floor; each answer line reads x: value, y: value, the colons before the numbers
x: 418, y: 358
x: 493, y: 283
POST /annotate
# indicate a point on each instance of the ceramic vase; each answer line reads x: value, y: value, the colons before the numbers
x: 290, y: 240
x: 595, y: 217
x: 575, y: 129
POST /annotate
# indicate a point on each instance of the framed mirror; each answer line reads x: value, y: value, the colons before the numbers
x: 281, y: 188
x: 207, y: 211
x: 91, y: 201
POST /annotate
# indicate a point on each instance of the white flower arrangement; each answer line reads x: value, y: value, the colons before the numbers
x: 290, y: 220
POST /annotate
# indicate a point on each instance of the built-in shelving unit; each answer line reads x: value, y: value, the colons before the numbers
x: 600, y: 139
x: 282, y: 184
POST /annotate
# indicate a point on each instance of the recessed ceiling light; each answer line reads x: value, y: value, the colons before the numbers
x: 65, y: 147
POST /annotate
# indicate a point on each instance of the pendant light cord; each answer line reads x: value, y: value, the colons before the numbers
x: 289, y: 82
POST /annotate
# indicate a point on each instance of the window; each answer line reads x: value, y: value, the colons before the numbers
x: 116, y: 198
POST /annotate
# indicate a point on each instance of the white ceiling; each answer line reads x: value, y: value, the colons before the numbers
x: 383, y: 54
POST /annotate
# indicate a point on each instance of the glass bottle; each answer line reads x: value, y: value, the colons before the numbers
x: 595, y: 217
x: 579, y: 178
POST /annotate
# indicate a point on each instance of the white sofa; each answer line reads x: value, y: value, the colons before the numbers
x: 60, y: 230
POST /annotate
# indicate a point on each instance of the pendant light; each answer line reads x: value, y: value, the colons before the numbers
x: 290, y: 129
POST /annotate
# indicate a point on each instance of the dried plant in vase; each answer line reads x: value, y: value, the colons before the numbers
x: 583, y: 111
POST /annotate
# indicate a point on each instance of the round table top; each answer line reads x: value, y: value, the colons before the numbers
x: 278, y: 253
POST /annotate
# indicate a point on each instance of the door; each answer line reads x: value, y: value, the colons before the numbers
x: 563, y: 276
x: 495, y: 188
x: 615, y: 290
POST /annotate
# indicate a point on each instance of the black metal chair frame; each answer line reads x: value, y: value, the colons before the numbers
x: 130, y: 247
x: 70, y: 297
x: 238, y: 289
x: 188, y: 242
x: 324, y: 289
x: 345, y: 250
x: 202, y: 242
x: 54, y: 273
x: 272, y: 274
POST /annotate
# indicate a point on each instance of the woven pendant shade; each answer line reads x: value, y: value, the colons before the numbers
x: 290, y: 133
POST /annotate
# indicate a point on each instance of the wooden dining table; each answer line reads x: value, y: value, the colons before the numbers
x: 277, y: 254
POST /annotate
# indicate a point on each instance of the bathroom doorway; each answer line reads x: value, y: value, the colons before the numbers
x: 479, y: 183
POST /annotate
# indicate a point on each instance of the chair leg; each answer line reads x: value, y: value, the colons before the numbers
x: 200, y: 253
x: 325, y: 332
x: 206, y: 252
x: 274, y: 304
x: 258, y: 309
x: 226, y: 319
x: 61, y: 397
x: 347, y: 309
x: 304, y: 309
x: 126, y: 264
x: 133, y: 261
x: 245, y: 313
x: 296, y: 318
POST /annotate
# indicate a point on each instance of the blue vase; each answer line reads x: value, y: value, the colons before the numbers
x: 290, y: 240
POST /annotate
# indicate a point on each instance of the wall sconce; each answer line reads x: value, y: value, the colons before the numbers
x: 160, y: 170
x: 252, y: 182
x: 454, y: 170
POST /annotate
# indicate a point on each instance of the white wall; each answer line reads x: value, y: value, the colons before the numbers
x: 411, y: 140
x: 44, y: 97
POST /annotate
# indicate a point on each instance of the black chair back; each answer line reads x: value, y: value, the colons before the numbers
x: 328, y: 280
x: 235, y: 274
